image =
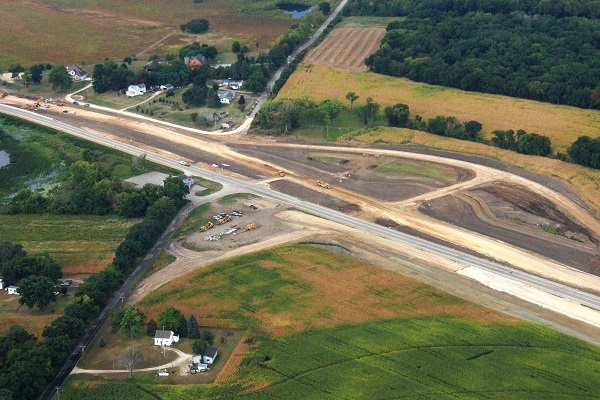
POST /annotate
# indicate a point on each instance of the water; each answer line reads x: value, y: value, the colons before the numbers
x: 297, y: 11
x: 4, y: 159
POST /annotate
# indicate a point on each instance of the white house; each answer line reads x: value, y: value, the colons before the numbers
x: 77, y: 73
x: 165, y: 338
x: 189, y: 181
x: 236, y: 85
x: 136, y: 90
x: 209, y: 355
x: 13, y: 290
x: 226, y: 96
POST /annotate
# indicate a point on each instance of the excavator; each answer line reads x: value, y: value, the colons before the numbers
x: 36, y: 105
x: 324, y: 185
x: 249, y: 227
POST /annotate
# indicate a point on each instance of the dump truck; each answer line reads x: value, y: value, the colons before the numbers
x: 249, y: 227
x: 206, y: 226
x: 226, y: 218
x: 323, y: 185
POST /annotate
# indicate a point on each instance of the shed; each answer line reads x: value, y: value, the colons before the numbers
x: 209, y: 355
x: 163, y: 372
x: 13, y: 290
x: 1, y: 284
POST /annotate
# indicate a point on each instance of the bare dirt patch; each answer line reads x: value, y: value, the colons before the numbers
x: 347, y: 48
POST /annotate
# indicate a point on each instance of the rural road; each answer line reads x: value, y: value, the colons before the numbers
x: 182, y: 358
x: 557, y: 289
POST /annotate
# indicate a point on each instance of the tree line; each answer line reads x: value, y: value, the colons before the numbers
x: 541, y: 58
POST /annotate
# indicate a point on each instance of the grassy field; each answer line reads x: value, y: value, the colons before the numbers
x: 40, y: 155
x: 82, y: 244
x: 437, y: 172
x: 322, y: 326
x: 562, y: 124
x: 86, y: 31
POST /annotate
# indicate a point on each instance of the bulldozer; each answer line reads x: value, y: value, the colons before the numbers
x: 249, y: 227
x: 206, y: 226
x: 324, y: 185
x: 280, y: 173
x: 226, y: 218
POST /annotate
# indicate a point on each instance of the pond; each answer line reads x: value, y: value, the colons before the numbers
x: 296, y: 10
x: 4, y: 159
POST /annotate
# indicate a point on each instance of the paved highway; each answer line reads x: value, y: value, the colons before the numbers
x: 546, y: 285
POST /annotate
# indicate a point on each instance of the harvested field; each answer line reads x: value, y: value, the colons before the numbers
x: 347, y: 48
x: 88, y: 32
x: 516, y: 217
x: 562, y: 124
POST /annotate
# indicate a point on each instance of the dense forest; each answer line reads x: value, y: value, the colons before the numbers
x: 540, y: 50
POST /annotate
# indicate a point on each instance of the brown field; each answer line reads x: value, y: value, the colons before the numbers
x: 347, y: 48
x: 33, y: 320
x: 82, y: 32
x: 563, y: 124
x: 321, y: 288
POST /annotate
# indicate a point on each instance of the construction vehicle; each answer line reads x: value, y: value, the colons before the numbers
x: 226, y: 218
x: 35, y: 105
x: 2, y: 95
x: 280, y: 173
x: 206, y: 226
x: 249, y: 227
x: 324, y: 185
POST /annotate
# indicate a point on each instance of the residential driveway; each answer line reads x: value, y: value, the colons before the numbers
x: 181, y: 360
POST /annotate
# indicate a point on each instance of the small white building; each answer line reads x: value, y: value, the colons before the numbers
x: 13, y: 290
x: 78, y: 74
x: 168, y: 86
x: 209, y: 355
x: 189, y: 181
x: 136, y: 90
x: 1, y: 284
x: 165, y: 338
x: 236, y: 85
x: 226, y: 96
x: 163, y: 372
x: 227, y: 125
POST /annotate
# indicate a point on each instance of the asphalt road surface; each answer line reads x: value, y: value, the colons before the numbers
x: 546, y: 285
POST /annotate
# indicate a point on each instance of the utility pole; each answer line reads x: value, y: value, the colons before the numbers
x: 57, y: 394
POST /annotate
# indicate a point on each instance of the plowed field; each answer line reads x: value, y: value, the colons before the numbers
x: 347, y: 48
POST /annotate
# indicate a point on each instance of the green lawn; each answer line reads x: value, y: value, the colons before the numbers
x: 409, y: 168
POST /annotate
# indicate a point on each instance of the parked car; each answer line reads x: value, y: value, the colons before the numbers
x: 66, y: 282
x: 65, y: 111
x: 86, y: 105
x: 184, y: 163
x: 252, y: 206
x: 76, y: 103
x: 60, y: 104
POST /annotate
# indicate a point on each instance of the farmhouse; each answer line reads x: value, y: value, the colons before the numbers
x: 165, y: 338
x: 209, y: 355
x: 196, y: 61
x: 187, y: 180
x: 226, y: 96
x: 78, y: 74
x: 136, y: 90
x: 13, y: 290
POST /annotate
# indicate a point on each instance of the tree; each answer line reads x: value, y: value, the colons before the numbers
x: 473, y: 128
x: 152, y: 327
x: 10, y: 250
x: 236, y: 47
x: 397, y: 115
x: 330, y: 109
x: 242, y: 100
x: 212, y: 99
x: 59, y: 78
x: 325, y: 7
x: 195, y: 96
x: 192, y: 328
x: 131, y: 358
x: 196, y: 26
x: 257, y: 80
x: 533, y: 144
x: 36, y: 290
x: 131, y: 323
x: 64, y: 326
x: 175, y: 189
x: 173, y: 319
x: 199, y: 346
x: 208, y: 336
x: 82, y: 308
x: 351, y: 97
x: 44, y: 265
x: 586, y: 151
x: 15, y: 70
x: 36, y: 73
x: 368, y: 112
x: 128, y: 60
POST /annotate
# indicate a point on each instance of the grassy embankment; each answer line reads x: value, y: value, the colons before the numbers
x: 563, y: 124
x: 321, y: 325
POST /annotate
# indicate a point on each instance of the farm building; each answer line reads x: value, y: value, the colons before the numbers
x: 165, y: 338
x: 197, y: 365
x: 196, y: 61
x: 78, y: 74
x: 209, y: 355
x: 236, y: 85
x: 227, y: 125
x: 226, y: 96
x: 136, y: 90
x: 167, y: 86
x: 13, y: 290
